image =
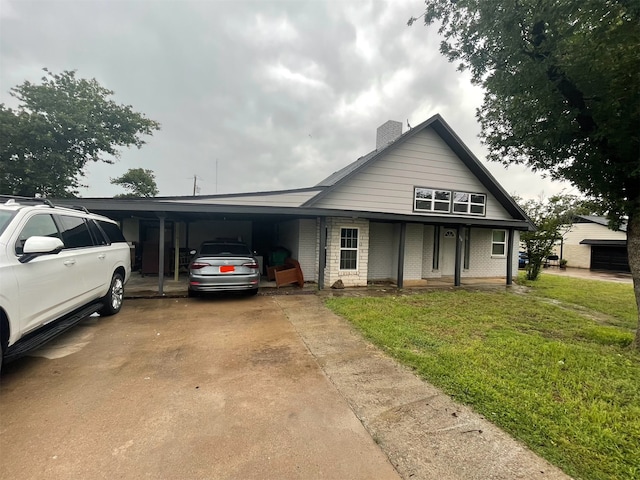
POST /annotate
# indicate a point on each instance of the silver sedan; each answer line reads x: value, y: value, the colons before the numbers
x: 223, y: 266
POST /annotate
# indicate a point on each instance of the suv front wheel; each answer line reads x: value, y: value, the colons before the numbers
x: 112, y: 301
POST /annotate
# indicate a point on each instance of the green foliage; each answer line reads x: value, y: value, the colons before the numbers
x: 140, y: 182
x: 551, y: 217
x: 559, y: 377
x: 59, y: 126
x: 562, y: 86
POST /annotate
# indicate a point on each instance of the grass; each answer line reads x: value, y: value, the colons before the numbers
x: 558, y: 375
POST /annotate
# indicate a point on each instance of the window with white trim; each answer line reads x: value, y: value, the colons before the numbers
x: 348, y: 249
x: 432, y: 200
x: 499, y: 243
x: 469, y: 203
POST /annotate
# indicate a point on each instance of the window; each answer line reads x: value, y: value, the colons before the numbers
x: 499, y: 243
x: 469, y: 203
x: 75, y: 232
x: 112, y: 231
x: 432, y: 200
x: 39, y: 225
x: 348, y: 249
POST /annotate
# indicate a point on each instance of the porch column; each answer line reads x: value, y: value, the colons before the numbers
x: 161, y: 257
x: 457, y: 271
x: 176, y: 256
x: 322, y: 252
x: 403, y: 236
x: 510, y: 258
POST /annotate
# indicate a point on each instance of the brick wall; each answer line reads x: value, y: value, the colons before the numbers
x: 482, y: 263
x: 350, y: 278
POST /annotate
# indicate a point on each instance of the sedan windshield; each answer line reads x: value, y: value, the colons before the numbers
x: 224, y: 249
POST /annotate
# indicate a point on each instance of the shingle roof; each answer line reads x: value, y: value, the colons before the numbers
x: 599, y: 220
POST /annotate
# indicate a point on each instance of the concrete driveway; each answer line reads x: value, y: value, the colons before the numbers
x: 269, y: 387
x: 181, y: 389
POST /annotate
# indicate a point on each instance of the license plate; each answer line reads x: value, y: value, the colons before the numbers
x: 227, y: 268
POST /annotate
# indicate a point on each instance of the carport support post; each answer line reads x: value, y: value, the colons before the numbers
x: 456, y: 278
x: 403, y: 236
x: 510, y: 258
x: 176, y: 251
x: 161, y: 258
x: 322, y: 252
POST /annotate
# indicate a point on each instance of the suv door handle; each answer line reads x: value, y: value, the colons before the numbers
x: 68, y: 263
x: 102, y: 256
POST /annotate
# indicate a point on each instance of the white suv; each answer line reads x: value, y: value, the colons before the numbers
x: 57, y: 266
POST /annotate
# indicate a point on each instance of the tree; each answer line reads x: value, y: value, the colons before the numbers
x: 59, y: 126
x: 562, y: 92
x: 140, y: 182
x: 552, y: 217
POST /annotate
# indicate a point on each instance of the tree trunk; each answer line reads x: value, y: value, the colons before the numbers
x: 633, y: 252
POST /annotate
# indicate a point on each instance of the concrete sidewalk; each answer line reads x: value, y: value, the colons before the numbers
x: 425, y: 434
x: 618, y: 277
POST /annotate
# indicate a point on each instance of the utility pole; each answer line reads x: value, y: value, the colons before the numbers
x: 194, y: 184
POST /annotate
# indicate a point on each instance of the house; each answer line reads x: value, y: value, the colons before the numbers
x: 590, y: 243
x: 420, y: 206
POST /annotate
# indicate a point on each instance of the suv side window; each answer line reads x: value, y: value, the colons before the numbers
x: 75, y: 232
x: 98, y: 236
x: 112, y: 231
x: 38, y: 225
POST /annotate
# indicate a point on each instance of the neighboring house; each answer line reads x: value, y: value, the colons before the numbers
x: 590, y: 243
x: 418, y: 207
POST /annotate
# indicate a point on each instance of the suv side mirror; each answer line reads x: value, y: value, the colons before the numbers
x: 36, y: 246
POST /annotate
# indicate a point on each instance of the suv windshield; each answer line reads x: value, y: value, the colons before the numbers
x: 224, y: 249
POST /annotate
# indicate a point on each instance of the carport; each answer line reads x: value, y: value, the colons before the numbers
x: 163, y: 233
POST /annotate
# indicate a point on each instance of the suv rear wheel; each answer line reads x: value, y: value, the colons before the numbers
x: 112, y: 301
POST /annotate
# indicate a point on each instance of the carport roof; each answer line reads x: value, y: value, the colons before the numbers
x: 154, y: 208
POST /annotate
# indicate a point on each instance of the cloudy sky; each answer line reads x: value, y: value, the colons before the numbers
x: 252, y: 95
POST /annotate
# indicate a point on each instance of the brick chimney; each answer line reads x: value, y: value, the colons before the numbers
x: 387, y: 133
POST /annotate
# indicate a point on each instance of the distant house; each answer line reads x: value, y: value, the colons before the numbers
x: 590, y: 243
x: 418, y: 207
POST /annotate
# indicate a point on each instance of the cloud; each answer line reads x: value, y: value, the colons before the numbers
x: 251, y: 95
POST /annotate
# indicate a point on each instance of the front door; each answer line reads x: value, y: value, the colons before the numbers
x: 448, y: 252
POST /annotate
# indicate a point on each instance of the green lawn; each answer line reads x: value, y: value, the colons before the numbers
x: 552, y: 366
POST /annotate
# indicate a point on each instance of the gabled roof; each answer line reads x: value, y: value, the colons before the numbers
x: 454, y: 142
x: 598, y: 220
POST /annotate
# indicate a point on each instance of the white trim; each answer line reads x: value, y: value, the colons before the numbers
x: 469, y: 204
x: 503, y: 243
x: 349, y: 249
x: 433, y: 201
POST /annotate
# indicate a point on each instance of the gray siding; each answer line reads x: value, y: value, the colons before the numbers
x: 424, y: 160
